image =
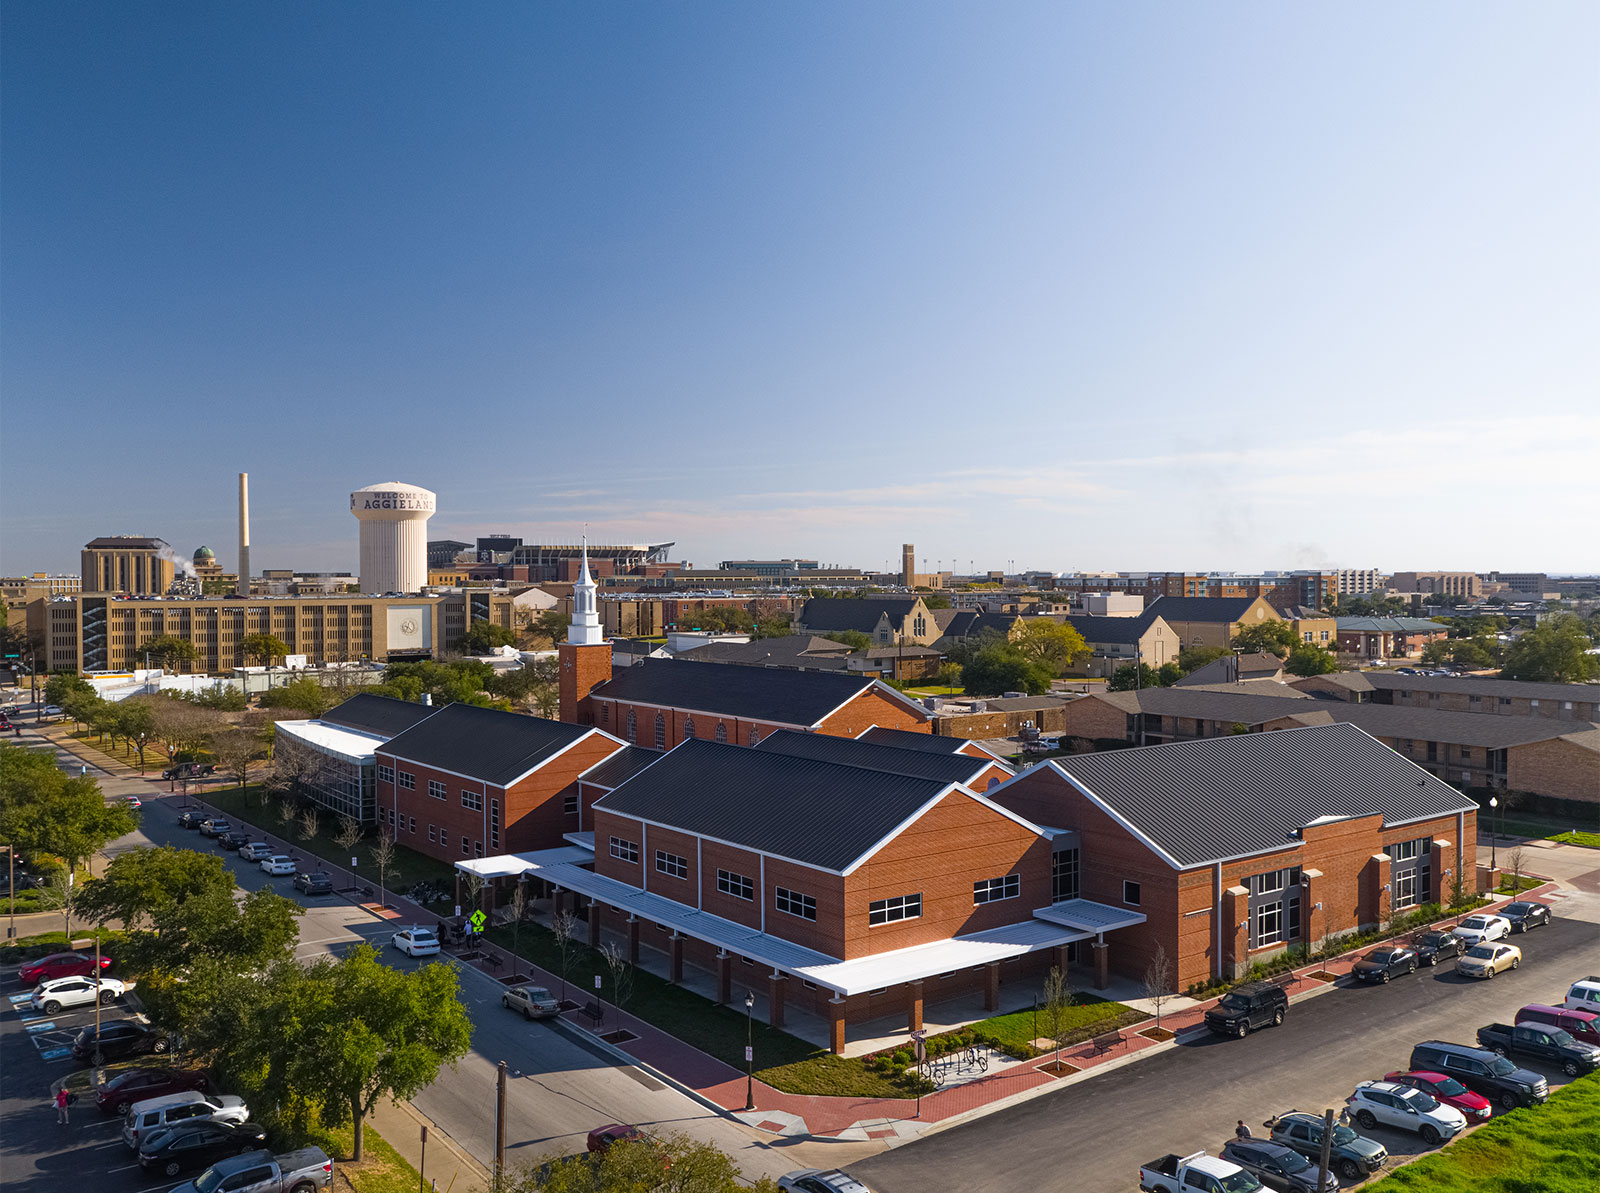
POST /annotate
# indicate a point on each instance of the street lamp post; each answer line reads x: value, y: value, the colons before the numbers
x: 749, y: 1050
x: 1494, y: 830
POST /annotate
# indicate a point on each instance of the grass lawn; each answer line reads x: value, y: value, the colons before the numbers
x: 935, y: 690
x: 1088, y: 1016
x: 409, y: 866
x: 783, y: 1061
x: 382, y: 1170
x: 1525, y: 883
x: 1554, y: 1148
x: 1574, y: 837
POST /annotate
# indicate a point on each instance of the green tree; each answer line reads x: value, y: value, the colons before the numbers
x: 136, y: 725
x: 60, y: 689
x: 672, y: 1161
x: 1003, y: 668
x: 45, y: 811
x: 303, y: 695
x: 1309, y: 659
x: 771, y: 627
x: 1553, y: 652
x: 1052, y: 645
x: 484, y: 636
x: 1476, y: 653
x: 552, y: 625
x: 936, y: 600
x: 1169, y: 674
x: 854, y: 639
x: 1269, y: 637
x: 167, y: 651
x: 142, y: 887
x: 1192, y: 658
x: 1436, y: 652
x: 263, y: 648
x: 1126, y: 678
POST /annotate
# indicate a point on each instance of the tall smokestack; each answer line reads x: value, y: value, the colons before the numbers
x: 243, y: 588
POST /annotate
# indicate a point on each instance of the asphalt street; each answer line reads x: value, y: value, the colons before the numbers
x: 560, y: 1089
x: 1093, y: 1136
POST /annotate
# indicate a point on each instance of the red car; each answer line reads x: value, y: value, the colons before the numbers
x: 60, y: 965
x: 1447, y: 1090
x: 135, y: 1085
x: 603, y: 1137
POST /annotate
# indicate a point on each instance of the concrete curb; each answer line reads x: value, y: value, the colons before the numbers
x: 587, y: 1039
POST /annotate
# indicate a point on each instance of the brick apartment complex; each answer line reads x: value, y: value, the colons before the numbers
x: 1388, y: 637
x: 1494, y: 697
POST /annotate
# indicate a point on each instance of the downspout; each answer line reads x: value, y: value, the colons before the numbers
x: 1216, y: 921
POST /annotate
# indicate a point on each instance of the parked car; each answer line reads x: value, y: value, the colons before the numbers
x: 60, y: 965
x: 215, y: 827
x: 1352, y: 1156
x: 1244, y: 1008
x: 123, y: 1089
x: 256, y: 851
x: 119, y: 1038
x: 1405, y: 1109
x: 233, y: 839
x: 821, y: 1180
x: 1537, y: 1041
x: 1434, y: 947
x: 1479, y: 929
x: 188, y: 770
x: 191, y: 819
x: 1445, y: 1089
x: 57, y: 993
x: 1584, y: 995
x: 1277, y: 1166
x: 199, y: 1144
x: 1195, y: 1173
x: 1382, y: 964
x: 1525, y: 914
x: 1486, y: 960
x: 262, y: 1172
x: 417, y: 942
x: 133, y: 801
x: 603, y: 1137
x: 534, y: 1002
x: 1583, y: 1026
x: 1481, y: 1071
x: 316, y: 883
x: 278, y: 864
x: 144, y: 1119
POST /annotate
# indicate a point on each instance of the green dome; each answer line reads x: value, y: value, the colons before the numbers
x: 205, y: 555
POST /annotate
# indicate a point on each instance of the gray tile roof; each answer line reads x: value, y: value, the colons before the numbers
x: 1474, y: 685
x: 1212, y: 609
x: 732, y: 690
x: 1119, y: 631
x: 484, y: 743
x: 830, y: 614
x: 921, y: 764
x: 792, y: 650
x: 1250, y: 708
x: 1207, y: 800
x: 1387, y: 625
x: 819, y: 813
x: 1455, y: 728
x: 931, y: 743
x: 1230, y: 668
x: 382, y: 715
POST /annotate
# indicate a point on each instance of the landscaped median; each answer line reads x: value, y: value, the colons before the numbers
x: 1554, y: 1148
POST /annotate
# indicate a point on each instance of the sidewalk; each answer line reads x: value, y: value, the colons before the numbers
x: 446, y: 1164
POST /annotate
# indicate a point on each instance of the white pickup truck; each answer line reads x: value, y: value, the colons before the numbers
x: 304, y: 1171
x: 1197, y: 1173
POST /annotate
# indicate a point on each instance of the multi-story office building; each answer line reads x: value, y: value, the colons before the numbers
x: 130, y: 563
x: 1534, y: 584
x: 1360, y: 581
x: 1461, y: 584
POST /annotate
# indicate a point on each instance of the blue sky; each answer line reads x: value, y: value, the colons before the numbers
x: 1082, y: 286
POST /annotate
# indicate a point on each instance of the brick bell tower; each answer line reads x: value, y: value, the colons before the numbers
x: 585, y: 656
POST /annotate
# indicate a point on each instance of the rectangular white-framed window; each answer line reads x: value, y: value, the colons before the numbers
x: 671, y: 863
x: 413, y: 827
x: 466, y: 847
x: 494, y: 824
x: 1130, y: 893
x: 569, y: 805
x: 992, y: 890
x: 1269, y: 923
x: 1063, y: 875
x: 624, y: 850
x: 472, y: 799
x: 433, y: 832
x: 437, y: 789
x: 890, y: 911
x: 738, y: 885
x: 407, y: 780
x: 795, y: 903
x: 386, y: 774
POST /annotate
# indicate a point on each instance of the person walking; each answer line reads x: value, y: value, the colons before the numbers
x: 63, y: 1100
x: 1241, y: 1131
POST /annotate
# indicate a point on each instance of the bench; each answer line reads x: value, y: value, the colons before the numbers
x: 1286, y: 979
x: 1106, y: 1041
x: 593, y: 1012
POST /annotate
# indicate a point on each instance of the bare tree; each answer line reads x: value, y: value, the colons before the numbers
x: 616, y: 959
x: 518, y: 903
x: 1054, y: 1003
x: 349, y: 834
x: 547, y: 700
x: 563, y: 926
x: 235, y: 749
x: 288, y: 813
x: 309, y: 823
x: 1158, y: 980
x: 1515, y: 858
x: 383, y: 854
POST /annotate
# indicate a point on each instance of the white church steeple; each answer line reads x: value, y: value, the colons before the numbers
x: 585, y: 629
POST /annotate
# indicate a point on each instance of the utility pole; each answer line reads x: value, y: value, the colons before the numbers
x: 423, y: 1166
x: 1327, y: 1149
x: 500, y: 1126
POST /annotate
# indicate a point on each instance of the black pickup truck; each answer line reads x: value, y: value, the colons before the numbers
x: 1538, y: 1042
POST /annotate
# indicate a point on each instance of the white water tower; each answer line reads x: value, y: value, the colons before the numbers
x: 394, y: 536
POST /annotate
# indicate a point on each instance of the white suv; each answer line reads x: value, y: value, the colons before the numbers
x: 1480, y: 929
x: 1406, y: 1109
x: 1584, y: 995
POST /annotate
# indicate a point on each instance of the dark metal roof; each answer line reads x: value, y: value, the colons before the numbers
x: 1210, y: 609
x: 792, y: 650
x: 382, y: 715
x: 905, y: 739
x: 1122, y: 631
x: 1231, y: 668
x: 820, y: 813
x: 1473, y: 685
x: 853, y: 613
x: 1388, y: 625
x: 125, y: 542
x: 621, y: 766
x: 1456, y: 728
x: 484, y: 743
x: 1221, y: 797
x: 732, y: 690
x: 947, y: 768
x: 1209, y: 704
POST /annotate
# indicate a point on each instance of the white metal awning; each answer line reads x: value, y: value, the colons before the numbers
x: 349, y: 745
x: 514, y: 865
x: 1088, y: 916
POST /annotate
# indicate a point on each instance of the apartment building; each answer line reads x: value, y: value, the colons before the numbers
x: 1499, y: 697
x: 1461, y: 584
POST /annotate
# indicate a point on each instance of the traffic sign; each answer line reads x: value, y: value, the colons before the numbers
x: 478, y: 920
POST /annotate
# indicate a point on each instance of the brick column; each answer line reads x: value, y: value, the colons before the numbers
x: 1442, y: 856
x: 1313, y: 923
x: 558, y: 903
x: 676, y: 971
x: 1235, y: 931
x: 775, y: 985
x: 914, y: 1004
x: 594, y: 925
x: 1058, y: 958
x: 633, y: 940
x: 836, y: 1025
x: 991, y: 986
x: 1102, y: 964
x: 1375, y: 901
x: 724, y: 977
